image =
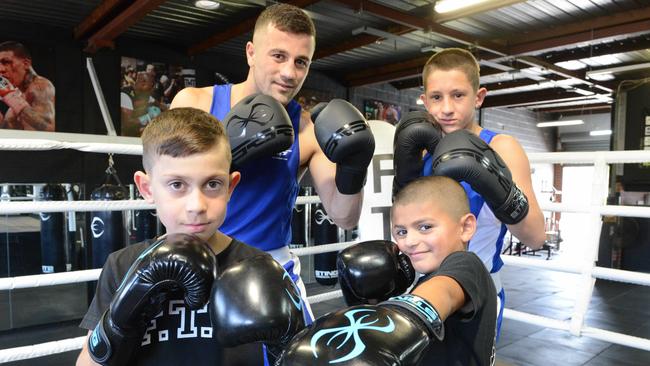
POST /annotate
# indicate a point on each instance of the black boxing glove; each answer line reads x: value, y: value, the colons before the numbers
x: 257, y: 126
x: 372, y: 271
x: 414, y: 133
x: 463, y: 156
x: 345, y: 138
x: 176, y: 262
x: 396, y: 332
x: 255, y: 300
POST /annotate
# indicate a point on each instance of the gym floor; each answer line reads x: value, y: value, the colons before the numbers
x: 614, y: 306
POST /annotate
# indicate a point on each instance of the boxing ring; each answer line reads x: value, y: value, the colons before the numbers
x: 587, y: 270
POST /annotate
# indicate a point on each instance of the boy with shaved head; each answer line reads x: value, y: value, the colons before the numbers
x: 449, y: 318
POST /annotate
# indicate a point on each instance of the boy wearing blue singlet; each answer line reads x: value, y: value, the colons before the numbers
x: 260, y: 210
x: 500, y: 191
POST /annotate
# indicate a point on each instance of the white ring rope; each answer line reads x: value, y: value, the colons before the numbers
x: 42, y: 141
x: 42, y: 349
x: 31, y: 140
x: 79, y: 206
x: 13, y: 207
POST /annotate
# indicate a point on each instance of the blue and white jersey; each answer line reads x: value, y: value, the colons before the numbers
x: 487, y: 242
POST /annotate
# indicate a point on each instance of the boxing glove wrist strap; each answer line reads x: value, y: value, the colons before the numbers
x: 110, y: 349
x: 514, y: 209
x: 425, y: 312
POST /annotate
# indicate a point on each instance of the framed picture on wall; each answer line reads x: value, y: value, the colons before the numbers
x: 147, y: 89
x: 308, y: 98
x: 383, y: 111
x: 27, y: 94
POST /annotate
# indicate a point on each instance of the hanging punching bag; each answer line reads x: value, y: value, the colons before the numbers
x: 324, y: 231
x: 106, y: 227
x: 52, y: 232
x: 145, y: 225
x: 298, y: 222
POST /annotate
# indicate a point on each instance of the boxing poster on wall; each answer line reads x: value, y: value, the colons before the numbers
x: 147, y: 89
x: 26, y: 90
x: 309, y: 98
x: 383, y: 111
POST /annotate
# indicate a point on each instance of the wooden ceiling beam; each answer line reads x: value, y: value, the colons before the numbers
x: 360, y: 41
x: 600, y: 49
x: 420, y: 23
x: 235, y: 30
x: 119, y: 24
x: 574, y: 39
x: 563, y: 30
x: 98, y: 17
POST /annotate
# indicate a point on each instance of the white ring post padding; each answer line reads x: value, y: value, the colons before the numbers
x: 78, y: 206
x: 42, y: 349
x: 50, y: 279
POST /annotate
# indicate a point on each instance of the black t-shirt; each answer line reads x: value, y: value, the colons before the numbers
x: 176, y: 336
x: 469, y: 332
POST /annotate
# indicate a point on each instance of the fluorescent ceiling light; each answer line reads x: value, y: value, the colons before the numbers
x: 446, y: 6
x: 613, y: 70
x: 207, y: 4
x: 419, y: 102
x: 600, y: 132
x: 561, y: 123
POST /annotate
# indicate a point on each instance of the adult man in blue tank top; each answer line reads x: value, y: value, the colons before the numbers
x: 492, y: 167
x: 336, y: 148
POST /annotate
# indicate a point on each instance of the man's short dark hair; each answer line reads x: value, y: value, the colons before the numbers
x: 17, y: 48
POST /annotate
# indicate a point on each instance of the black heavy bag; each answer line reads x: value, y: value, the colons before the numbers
x: 106, y: 227
x: 52, y: 232
x: 298, y: 222
x: 324, y: 231
x: 146, y: 223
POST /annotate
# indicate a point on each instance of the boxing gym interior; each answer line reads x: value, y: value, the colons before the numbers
x: 569, y: 79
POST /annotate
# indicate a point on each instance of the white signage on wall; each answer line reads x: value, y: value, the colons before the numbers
x: 374, y: 223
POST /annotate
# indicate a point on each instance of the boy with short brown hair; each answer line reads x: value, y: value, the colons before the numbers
x: 186, y: 157
x: 492, y: 167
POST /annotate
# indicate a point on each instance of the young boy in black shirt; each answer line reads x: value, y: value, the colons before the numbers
x: 186, y: 158
x: 449, y: 318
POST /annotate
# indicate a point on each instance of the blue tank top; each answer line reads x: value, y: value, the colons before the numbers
x: 487, y: 242
x: 259, y: 211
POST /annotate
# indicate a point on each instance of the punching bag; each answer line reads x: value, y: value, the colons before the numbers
x: 145, y: 225
x: 299, y: 221
x: 324, y: 231
x: 52, y: 232
x: 106, y: 227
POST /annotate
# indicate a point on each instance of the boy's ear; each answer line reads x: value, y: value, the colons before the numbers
x: 143, y: 183
x: 234, y: 180
x: 423, y: 98
x: 480, y: 97
x: 468, y: 227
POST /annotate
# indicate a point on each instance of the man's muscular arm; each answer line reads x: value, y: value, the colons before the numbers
x: 200, y: 98
x: 39, y: 115
x: 531, y: 229
x: 344, y: 209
